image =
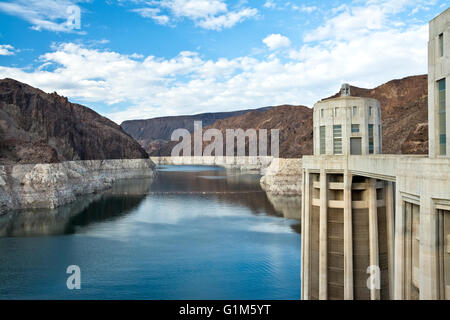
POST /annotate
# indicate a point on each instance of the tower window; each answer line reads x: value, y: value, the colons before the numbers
x: 380, y: 136
x: 322, y: 140
x: 371, y: 139
x: 370, y: 111
x: 355, y: 128
x: 441, y: 45
x: 355, y: 111
x: 321, y: 113
x: 442, y: 118
x: 337, y: 139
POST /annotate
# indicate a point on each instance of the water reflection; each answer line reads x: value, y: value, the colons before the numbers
x: 122, y: 198
x: 182, y: 182
x: 191, y: 233
x: 289, y: 206
x: 228, y: 187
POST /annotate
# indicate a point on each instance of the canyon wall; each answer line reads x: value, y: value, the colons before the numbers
x: 283, y: 177
x: 37, y: 127
x: 53, y: 185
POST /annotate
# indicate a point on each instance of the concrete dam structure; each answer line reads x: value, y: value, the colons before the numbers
x: 377, y: 226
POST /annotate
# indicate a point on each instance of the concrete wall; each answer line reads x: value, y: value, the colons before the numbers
x: 438, y: 68
x: 426, y: 184
x: 416, y: 244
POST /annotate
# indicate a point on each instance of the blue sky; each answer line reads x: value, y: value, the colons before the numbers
x: 134, y: 59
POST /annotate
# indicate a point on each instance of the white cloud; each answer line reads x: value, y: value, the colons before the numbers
x: 153, y: 13
x: 277, y: 41
x: 52, y: 15
x: 357, y: 21
x: 227, y: 20
x: 307, y: 9
x: 188, y: 83
x: 6, y: 50
x: 270, y: 4
x: 207, y: 14
x: 195, y: 9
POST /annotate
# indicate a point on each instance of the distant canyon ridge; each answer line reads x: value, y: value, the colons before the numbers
x: 404, y: 107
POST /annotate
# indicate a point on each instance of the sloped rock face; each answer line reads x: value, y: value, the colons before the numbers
x: 36, y: 127
x: 294, y: 122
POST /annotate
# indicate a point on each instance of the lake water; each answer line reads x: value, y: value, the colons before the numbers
x: 191, y: 233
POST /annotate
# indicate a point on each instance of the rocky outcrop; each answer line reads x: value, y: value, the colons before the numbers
x: 152, y: 134
x: 283, y: 177
x: 36, y: 127
x: 56, y: 184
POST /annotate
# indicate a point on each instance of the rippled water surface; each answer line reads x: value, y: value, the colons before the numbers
x: 192, y: 233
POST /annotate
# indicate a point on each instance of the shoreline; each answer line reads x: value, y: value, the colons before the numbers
x: 35, y: 186
x: 280, y: 176
x: 48, y: 186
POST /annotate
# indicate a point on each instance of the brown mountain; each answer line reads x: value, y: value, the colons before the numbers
x: 294, y: 122
x: 404, y: 114
x: 36, y: 127
x: 153, y: 133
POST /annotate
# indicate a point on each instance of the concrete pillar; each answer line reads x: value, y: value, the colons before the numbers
x: 408, y: 251
x: 390, y: 217
x: 348, y: 237
x: 373, y: 233
x: 431, y: 230
x: 306, y: 236
x: 400, y: 230
x: 323, y: 266
x: 302, y: 221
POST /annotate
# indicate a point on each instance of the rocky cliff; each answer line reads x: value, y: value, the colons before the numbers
x: 36, y: 127
x: 283, y: 177
x: 50, y: 185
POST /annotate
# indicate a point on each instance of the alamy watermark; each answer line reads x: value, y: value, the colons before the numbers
x: 374, y: 280
x: 234, y: 144
x: 73, y: 17
x: 74, y: 280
